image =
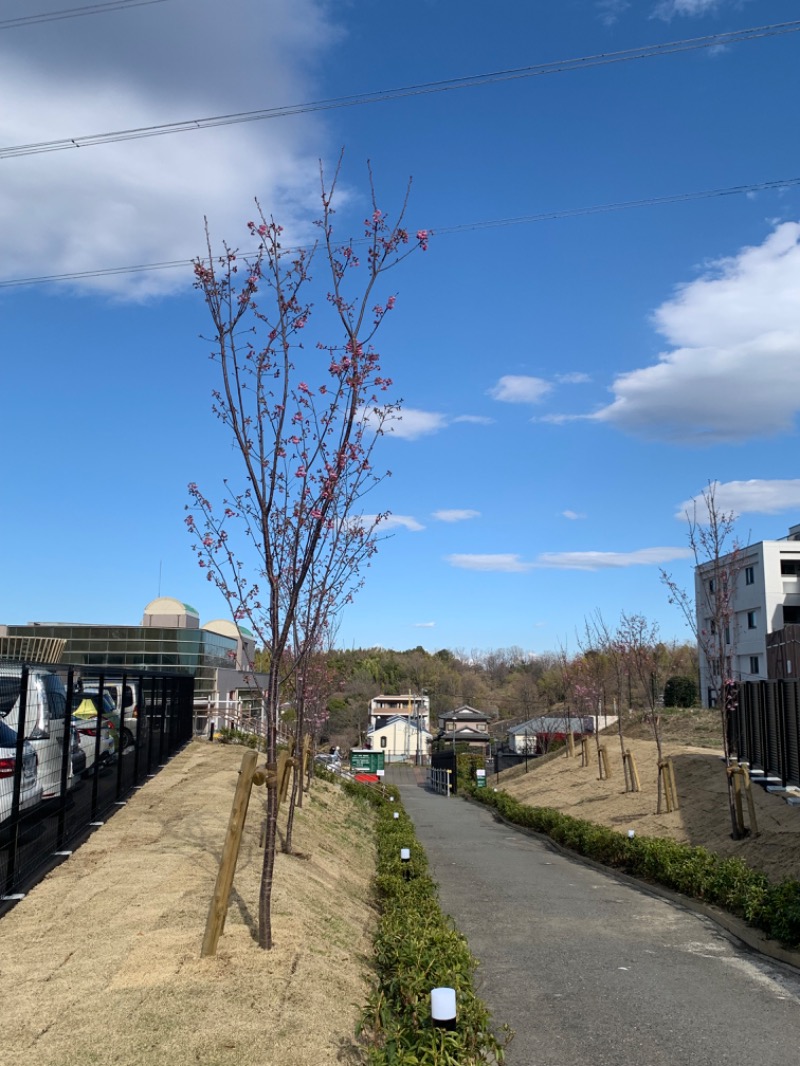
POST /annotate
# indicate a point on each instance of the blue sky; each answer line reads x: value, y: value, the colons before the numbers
x: 568, y: 383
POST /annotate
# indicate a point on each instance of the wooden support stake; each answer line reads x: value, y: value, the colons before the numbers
x: 605, y: 767
x: 230, y: 853
x: 571, y: 744
x: 673, y: 786
x: 666, y: 783
x: 284, y: 766
x: 584, y: 751
x: 632, y: 774
x: 751, y: 807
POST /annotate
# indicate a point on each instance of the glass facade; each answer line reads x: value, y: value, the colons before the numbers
x: 191, y: 651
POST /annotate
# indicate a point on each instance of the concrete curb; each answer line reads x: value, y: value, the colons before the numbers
x: 735, y: 928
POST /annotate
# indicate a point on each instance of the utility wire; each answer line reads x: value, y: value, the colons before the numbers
x: 716, y: 40
x: 574, y: 212
x: 75, y: 12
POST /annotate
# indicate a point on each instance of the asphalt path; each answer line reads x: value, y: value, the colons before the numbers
x: 588, y: 969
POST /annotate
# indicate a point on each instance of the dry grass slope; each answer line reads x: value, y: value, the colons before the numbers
x: 693, y: 741
x: 101, y: 962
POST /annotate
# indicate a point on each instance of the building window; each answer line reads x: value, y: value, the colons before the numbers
x: 711, y: 586
x: 715, y: 667
x: 383, y: 742
x: 751, y: 620
x: 790, y: 567
x: 712, y: 626
x: 749, y: 575
x: 727, y: 634
x: 753, y: 664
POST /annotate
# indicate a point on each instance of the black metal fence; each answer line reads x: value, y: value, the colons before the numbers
x: 446, y: 760
x: 74, y: 742
x: 764, y: 726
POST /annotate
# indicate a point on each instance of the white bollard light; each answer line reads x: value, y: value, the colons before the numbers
x: 391, y: 799
x: 396, y: 815
x: 443, y: 1007
x: 631, y: 834
x: 405, y: 854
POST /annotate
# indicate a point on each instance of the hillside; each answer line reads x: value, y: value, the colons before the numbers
x: 101, y: 962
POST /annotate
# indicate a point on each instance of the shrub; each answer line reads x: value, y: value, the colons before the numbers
x: 680, y: 692
x: 417, y: 948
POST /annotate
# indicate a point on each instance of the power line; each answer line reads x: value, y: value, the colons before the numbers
x: 519, y: 220
x: 716, y: 40
x: 75, y: 12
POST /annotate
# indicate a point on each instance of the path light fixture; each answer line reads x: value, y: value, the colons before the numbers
x: 391, y: 799
x: 396, y: 815
x: 405, y: 862
x: 631, y: 834
x: 443, y: 1008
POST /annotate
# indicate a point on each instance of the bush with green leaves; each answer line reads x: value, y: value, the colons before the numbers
x: 417, y: 949
x: 728, y: 883
x: 680, y: 692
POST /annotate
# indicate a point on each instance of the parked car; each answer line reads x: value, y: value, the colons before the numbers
x: 30, y: 793
x: 88, y: 720
x: 123, y: 730
x: 44, y: 717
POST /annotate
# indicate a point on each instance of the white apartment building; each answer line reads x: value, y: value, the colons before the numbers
x: 765, y: 599
x: 416, y: 708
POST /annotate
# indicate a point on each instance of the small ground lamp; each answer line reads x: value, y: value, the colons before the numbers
x: 443, y: 1008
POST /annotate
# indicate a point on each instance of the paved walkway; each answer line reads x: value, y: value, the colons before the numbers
x: 587, y: 969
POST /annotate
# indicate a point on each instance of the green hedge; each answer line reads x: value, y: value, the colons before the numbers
x: 416, y: 949
x: 727, y: 883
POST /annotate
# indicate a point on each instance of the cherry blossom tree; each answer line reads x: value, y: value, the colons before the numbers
x: 304, y: 417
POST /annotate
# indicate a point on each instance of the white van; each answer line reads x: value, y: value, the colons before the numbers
x: 45, y: 713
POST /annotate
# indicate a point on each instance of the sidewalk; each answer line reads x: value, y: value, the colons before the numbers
x: 586, y: 968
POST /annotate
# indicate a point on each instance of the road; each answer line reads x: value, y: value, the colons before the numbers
x: 589, y: 970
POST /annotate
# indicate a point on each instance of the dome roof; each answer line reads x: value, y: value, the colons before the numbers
x: 226, y: 628
x: 168, y: 605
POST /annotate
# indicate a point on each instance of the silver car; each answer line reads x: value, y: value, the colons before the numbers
x: 30, y: 792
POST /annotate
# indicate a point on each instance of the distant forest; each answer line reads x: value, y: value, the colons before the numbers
x: 626, y: 671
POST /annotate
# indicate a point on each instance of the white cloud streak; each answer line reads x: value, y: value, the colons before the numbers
x: 501, y: 563
x: 411, y: 423
x: 588, y: 560
x: 733, y: 369
x: 573, y: 516
x: 750, y: 497
x: 517, y: 388
x: 455, y: 515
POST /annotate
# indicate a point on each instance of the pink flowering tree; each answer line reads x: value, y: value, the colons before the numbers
x: 305, y: 413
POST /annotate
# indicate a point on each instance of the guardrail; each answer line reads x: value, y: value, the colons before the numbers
x: 440, y: 781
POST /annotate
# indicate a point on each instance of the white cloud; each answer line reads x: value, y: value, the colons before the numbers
x: 517, y: 388
x: 668, y: 9
x: 455, y: 515
x: 610, y: 560
x: 573, y: 516
x: 588, y: 560
x: 399, y: 521
x: 611, y: 10
x: 476, y: 420
x: 143, y: 201
x: 411, y: 423
x: 751, y: 497
x: 733, y: 369
x: 507, y: 564
x: 424, y: 625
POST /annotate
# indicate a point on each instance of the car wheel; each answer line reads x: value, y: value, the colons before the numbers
x: 126, y: 739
